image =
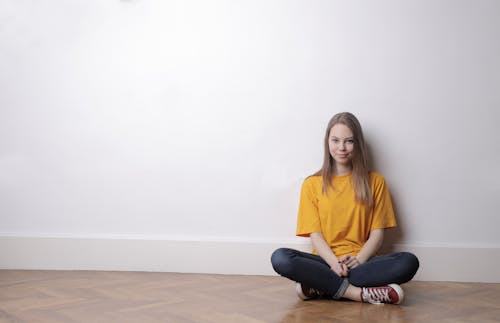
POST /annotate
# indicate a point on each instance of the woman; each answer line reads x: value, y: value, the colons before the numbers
x: 344, y: 209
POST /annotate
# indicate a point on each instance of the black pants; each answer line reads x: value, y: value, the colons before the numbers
x: 313, y: 271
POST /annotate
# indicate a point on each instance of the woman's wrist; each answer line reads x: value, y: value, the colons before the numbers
x: 332, y: 262
x: 361, y: 259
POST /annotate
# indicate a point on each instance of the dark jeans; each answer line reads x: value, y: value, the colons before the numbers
x: 313, y: 271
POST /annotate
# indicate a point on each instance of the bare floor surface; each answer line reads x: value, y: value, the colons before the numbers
x: 96, y: 296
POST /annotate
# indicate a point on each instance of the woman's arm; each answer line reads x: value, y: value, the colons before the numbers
x: 325, y: 252
x: 371, y: 246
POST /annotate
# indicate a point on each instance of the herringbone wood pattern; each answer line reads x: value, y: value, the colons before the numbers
x: 86, y: 296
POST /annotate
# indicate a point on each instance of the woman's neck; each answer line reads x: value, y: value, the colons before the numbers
x: 341, y: 170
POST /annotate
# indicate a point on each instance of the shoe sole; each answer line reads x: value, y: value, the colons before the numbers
x: 300, y: 293
x: 399, y: 291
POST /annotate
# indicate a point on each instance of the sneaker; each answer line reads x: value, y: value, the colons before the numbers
x: 305, y: 293
x: 390, y: 294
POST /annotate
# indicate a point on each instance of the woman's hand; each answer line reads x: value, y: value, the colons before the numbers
x: 350, y: 261
x: 340, y: 269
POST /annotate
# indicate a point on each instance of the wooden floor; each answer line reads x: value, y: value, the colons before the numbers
x: 90, y: 296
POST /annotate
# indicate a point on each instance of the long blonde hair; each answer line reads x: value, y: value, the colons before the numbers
x: 360, y: 176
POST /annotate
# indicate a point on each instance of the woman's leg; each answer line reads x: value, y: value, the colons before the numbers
x: 313, y: 271
x: 377, y: 281
x: 310, y: 270
x: 395, y: 268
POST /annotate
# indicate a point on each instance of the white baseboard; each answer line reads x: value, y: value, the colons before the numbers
x: 454, y: 263
x: 437, y: 263
x: 122, y: 254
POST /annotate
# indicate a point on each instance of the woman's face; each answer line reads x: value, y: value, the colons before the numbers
x: 341, y: 144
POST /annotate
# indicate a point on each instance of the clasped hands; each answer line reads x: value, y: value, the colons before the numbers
x: 345, y: 264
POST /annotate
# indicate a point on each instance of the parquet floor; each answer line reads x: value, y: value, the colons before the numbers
x: 92, y: 296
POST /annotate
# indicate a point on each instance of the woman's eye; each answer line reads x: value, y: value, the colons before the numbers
x: 350, y: 142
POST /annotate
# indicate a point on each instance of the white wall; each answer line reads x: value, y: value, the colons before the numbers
x: 198, y: 120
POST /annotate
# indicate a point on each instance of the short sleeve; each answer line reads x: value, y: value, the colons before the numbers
x: 308, y: 217
x: 383, y: 212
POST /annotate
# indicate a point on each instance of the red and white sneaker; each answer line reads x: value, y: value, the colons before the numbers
x: 305, y: 293
x: 390, y: 294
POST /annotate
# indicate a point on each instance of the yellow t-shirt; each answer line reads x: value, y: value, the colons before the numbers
x: 344, y: 223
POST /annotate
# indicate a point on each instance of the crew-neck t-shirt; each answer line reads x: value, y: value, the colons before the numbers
x: 344, y: 223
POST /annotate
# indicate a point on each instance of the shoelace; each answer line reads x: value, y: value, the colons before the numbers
x: 376, y: 295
